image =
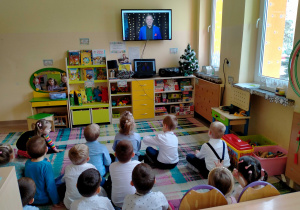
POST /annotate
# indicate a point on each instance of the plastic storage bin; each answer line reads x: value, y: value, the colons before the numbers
x: 273, y: 166
x: 236, y: 148
x: 257, y: 140
x: 57, y: 95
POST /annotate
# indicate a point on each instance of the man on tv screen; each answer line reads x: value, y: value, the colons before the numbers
x: 149, y: 31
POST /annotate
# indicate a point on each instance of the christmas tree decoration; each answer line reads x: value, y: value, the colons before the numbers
x: 188, y: 61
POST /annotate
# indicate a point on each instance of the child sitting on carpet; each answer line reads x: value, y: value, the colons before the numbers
x: 126, y: 132
x: 167, y: 156
x: 212, y: 152
x: 27, y: 190
x: 88, y: 185
x: 222, y: 179
x: 79, y: 156
x: 248, y: 170
x: 6, y: 159
x: 143, y: 179
x: 40, y: 170
x: 42, y: 129
x: 121, y: 171
x: 99, y: 155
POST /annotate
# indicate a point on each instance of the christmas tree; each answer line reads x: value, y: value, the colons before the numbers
x: 188, y: 61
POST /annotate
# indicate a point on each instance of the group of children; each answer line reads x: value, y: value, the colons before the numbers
x: 129, y: 182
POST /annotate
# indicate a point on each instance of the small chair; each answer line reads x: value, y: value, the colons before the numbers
x: 200, y: 200
x: 250, y: 193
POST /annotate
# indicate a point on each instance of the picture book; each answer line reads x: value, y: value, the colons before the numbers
x: 126, y: 66
x: 99, y: 57
x: 74, y: 74
x: 86, y: 57
x: 74, y: 57
x: 88, y: 74
x: 100, y: 74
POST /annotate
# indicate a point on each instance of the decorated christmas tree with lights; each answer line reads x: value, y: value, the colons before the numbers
x: 188, y: 61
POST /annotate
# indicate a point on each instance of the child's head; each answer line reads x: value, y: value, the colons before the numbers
x: 143, y: 178
x: 36, y: 81
x: 216, y: 130
x: 92, y: 132
x: 27, y: 190
x: 127, y: 123
x: 170, y: 123
x: 42, y: 127
x: 88, y: 183
x: 51, y: 82
x: 222, y: 179
x: 64, y: 78
x: 250, y: 169
x: 36, y: 147
x: 6, y: 154
x: 79, y: 154
x: 124, y: 151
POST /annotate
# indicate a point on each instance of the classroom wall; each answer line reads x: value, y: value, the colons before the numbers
x: 34, y: 30
x: 271, y: 120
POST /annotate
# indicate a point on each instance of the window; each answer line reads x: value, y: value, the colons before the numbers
x: 275, y: 42
x: 216, y: 29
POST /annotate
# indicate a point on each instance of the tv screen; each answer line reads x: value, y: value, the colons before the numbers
x: 140, y: 25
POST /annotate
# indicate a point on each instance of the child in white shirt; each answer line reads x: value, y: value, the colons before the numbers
x: 79, y: 156
x: 143, y: 180
x: 121, y: 171
x: 167, y: 155
x: 211, y: 153
x: 88, y: 185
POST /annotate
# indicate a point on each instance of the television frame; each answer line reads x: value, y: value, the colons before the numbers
x: 138, y: 74
x: 123, y: 11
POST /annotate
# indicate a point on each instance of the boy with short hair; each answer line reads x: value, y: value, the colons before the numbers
x: 88, y: 185
x: 79, y: 156
x: 40, y: 170
x: 212, y: 153
x: 99, y: 155
x: 143, y: 180
x: 27, y: 190
x: 167, y: 155
x: 121, y: 171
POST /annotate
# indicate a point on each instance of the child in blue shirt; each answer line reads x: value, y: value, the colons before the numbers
x: 99, y: 155
x: 27, y: 190
x: 126, y: 132
x: 6, y: 159
x: 38, y: 169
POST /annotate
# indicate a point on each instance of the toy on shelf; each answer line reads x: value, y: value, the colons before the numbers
x: 72, y: 100
x: 79, y: 98
x: 269, y: 154
x: 114, y: 103
x: 104, y: 94
x: 89, y: 94
x: 113, y: 89
x: 97, y: 94
x: 125, y: 101
x: 83, y: 96
x: 123, y: 89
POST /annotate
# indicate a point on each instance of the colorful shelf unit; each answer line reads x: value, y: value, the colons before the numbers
x: 93, y: 112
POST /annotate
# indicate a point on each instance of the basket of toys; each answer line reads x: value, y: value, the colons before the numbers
x: 257, y: 140
x: 272, y: 158
x: 116, y: 114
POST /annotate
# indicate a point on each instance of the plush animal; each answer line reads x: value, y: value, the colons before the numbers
x: 104, y: 94
x: 97, y: 94
x: 89, y: 94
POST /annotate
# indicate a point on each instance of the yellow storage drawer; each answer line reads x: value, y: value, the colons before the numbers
x: 49, y: 103
x: 143, y: 95
x: 143, y: 113
x: 81, y: 117
x: 145, y: 84
x: 100, y: 115
x: 143, y: 104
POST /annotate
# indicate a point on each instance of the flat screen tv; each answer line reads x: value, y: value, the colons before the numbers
x: 154, y: 24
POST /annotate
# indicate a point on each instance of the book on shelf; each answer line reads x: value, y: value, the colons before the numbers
x: 88, y: 74
x: 99, y: 57
x: 74, y: 57
x: 86, y: 57
x: 74, y: 74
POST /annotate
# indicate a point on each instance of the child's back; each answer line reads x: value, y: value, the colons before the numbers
x: 121, y: 173
x: 78, y: 155
x: 41, y: 172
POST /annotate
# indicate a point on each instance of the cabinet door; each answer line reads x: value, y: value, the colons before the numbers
x: 100, y: 115
x: 143, y: 113
x: 81, y: 117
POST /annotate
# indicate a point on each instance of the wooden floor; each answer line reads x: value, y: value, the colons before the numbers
x: 13, y: 126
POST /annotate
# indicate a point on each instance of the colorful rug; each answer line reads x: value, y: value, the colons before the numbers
x: 173, y: 183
